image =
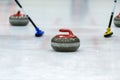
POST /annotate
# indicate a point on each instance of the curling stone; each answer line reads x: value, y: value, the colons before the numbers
x: 18, y: 19
x: 65, y: 42
x: 117, y: 20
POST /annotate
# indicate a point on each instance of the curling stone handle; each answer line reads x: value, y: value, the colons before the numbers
x: 18, y: 13
x: 118, y: 16
x: 66, y: 30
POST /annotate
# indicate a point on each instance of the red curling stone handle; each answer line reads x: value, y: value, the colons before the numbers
x: 69, y: 35
x: 118, y: 16
x: 18, y: 14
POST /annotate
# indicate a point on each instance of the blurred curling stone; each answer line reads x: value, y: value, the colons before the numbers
x: 117, y: 20
x: 18, y: 19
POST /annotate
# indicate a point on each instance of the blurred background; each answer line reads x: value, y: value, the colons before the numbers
x: 56, y: 12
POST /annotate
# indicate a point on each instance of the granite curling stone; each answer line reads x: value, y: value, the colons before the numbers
x: 117, y: 20
x: 18, y: 19
x: 65, y: 42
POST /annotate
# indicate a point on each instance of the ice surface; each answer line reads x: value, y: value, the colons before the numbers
x: 25, y: 57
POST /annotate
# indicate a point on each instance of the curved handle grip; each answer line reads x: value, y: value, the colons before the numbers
x: 18, y: 13
x: 70, y: 35
x: 66, y: 30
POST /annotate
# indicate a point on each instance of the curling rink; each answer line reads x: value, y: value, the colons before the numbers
x: 26, y: 57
